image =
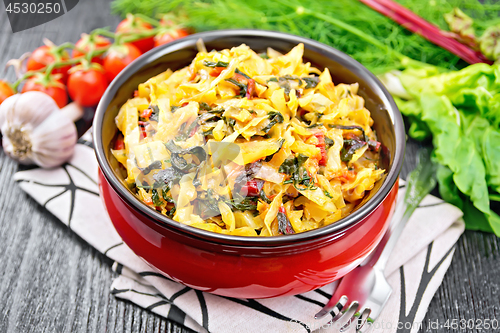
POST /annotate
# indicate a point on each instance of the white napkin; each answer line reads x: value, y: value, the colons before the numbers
x: 415, y: 269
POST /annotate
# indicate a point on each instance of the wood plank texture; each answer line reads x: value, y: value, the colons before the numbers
x: 53, y: 281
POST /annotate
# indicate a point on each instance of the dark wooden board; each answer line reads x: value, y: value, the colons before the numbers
x: 53, y: 281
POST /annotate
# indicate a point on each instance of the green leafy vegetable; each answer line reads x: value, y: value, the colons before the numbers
x: 274, y: 118
x: 354, y: 127
x: 168, y: 177
x: 294, y: 167
x: 243, y: 87
x: 151, y: 167
x: 284, y: 225
x: 328, y: 142
x: 215, y: 64
x: 249, y: 203
x: 237, y: 71
x: 185, y: 133
x: 350, y: 26
x: 178, y: 162
x: 204, y: 106
x: 155, y: 112
x: 165, y: 196
x: 156, y: 198
x: 349, y: 148
x: 460, y: 111
x: 311, y: 82
x: 264, y: 197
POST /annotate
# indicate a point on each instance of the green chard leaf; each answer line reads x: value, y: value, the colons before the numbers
x: 311, y: 82
x: 274, y: 118
x: 156, y: 198
x: 462, y: 111
x: 215, y: 64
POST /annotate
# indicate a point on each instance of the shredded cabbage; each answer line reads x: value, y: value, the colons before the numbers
x: 250, y: 145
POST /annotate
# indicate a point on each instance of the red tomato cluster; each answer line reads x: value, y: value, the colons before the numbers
x: 86, y: 82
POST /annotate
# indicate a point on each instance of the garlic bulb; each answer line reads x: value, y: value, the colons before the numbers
x: 36, y: 131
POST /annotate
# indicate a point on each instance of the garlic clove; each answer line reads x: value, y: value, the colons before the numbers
x: 36, y: 131
x: 53, y: 140
x: 32, y: 109
x: 7, y: 106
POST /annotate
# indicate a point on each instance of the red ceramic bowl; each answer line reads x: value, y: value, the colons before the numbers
x: 250, y: 267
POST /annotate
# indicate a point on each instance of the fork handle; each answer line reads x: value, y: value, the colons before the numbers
x: 384, y: 249
x: 420, y: 182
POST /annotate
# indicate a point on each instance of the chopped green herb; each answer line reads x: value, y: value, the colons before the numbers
x: 205, y: 106
x: 328, y: 142
x: 168, y: 177
x: 294, y: 167
x: 184, y: 133
x: 349, y: 148
x: 155, y: 112
x: 156, y: 198
x: 311, y: 82
x: 243, y: 88
x: 284, y: 225
x: 270, y: 157
x: 171, y: 212
x: 165, y: 196
x: 353, y: 127
x: 264, y: 197
x: 218, y: 111
x: 237, y: 71
x: 151, y: 167
x: 178, y: 162
x: 209, y: 132
x: 327, y: 194
x: 274, y: 118
x: 249, y: 203
x: 229, y: 121
x: 292, y: 78
x: 215, y: 64
x: 181, y: 135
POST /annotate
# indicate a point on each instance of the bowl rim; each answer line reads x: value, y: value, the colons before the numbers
x: 246, y: 241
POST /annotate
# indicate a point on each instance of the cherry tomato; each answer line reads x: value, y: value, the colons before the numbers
x: 170, y: 35
x: 134, y: 24
x: 118, y: 57
x: 45, y: 55
x: 51, y: 86
x: 5, y: 91
x: 88, y: 42
x: 86, y: 86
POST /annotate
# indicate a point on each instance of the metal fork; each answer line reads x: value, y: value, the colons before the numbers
x: 366, y: 287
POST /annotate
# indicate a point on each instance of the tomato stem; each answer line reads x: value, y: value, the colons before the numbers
x: 104, y: 32
x: 125, y: 38
x: 147, y: 19
x: 63, y: 46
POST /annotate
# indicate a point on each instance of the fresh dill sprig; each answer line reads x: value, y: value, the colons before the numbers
x: 348, y: 25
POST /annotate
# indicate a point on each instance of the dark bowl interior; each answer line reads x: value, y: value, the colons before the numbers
x: 387, y: 118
